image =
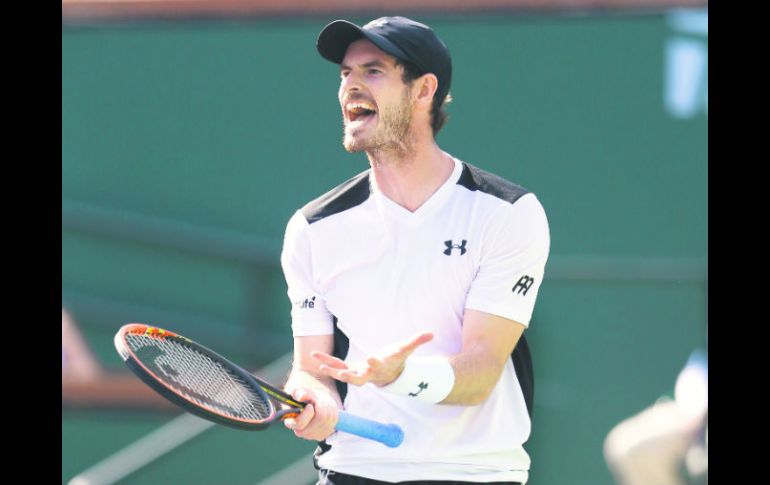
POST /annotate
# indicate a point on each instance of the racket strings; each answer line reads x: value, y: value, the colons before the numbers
x: 199, y: 378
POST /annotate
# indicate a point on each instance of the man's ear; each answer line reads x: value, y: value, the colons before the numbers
x: 426, y: 86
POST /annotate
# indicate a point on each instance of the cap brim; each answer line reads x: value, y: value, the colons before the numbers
x: 334, y: 39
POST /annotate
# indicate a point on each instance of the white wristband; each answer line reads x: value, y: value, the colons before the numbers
x: 429, y: 379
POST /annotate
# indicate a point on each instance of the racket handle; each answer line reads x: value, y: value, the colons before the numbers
x: 388, y: 434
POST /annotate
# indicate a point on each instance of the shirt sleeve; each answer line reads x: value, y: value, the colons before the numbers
x: 309, y: 315
x: 514, y: 253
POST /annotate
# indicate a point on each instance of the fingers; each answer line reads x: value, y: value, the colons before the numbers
x: 329, y: 360
x: 333, y: 367
x: 300, y: 422
x: 356, y: 377
x: 411, y: 345
x: 338, y: 369
x: 317, y: 420
x: 302, y: 394
x: 308, y: 412
x: 383, y: 368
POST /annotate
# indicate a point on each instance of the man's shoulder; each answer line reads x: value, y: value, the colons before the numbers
x: 350, y: 193
x: 476, y: 179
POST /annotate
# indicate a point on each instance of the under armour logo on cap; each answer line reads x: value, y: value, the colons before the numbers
x: 377, y: 23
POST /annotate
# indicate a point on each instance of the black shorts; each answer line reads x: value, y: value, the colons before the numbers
x: 329, y: 477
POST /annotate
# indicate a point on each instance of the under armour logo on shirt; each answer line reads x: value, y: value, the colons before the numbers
x: 450, y: 246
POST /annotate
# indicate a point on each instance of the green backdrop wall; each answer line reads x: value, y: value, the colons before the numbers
x: 186, y: 148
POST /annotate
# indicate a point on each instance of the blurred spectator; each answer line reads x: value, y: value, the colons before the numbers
x: 85, y: 383
x: 77, y: 360
x: 666, y: 443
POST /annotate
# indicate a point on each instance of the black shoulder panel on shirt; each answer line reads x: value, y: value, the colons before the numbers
x: 345, y: 196
x: 473, y: 178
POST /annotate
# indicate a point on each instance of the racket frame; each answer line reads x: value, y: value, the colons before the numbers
x: 265, y: 391
x: 390, y: 435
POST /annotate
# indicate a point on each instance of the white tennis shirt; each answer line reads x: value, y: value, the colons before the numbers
x: 364, y: 269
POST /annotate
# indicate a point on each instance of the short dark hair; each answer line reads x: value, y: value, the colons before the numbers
x: 438, y: 116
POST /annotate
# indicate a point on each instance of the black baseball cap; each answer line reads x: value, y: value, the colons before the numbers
x: 400, y: 37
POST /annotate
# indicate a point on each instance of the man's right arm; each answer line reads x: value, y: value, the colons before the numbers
x: 312, y: 328
x: 307, y: 384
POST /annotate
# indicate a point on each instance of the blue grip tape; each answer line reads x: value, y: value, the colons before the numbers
x: 388, y: 434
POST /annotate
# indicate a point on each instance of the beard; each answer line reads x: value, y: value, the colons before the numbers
x: 391, y: 132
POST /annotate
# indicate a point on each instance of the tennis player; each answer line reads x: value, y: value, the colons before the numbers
x: 412, y: 282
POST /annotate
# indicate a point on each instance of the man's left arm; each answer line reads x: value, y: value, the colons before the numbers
x: 468, y: 376
x: 488, y: 341
x: 501, y: 299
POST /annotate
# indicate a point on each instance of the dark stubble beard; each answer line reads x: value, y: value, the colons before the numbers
x: 392, y: 134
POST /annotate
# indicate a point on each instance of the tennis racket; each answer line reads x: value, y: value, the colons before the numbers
x: 206, y: 384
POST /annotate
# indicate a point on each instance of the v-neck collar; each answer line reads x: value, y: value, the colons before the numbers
x: 432, y: 204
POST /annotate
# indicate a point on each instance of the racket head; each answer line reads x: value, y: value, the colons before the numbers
x: 196, y: 378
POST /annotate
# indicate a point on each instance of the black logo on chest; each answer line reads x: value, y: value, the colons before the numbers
x: 451, y: 246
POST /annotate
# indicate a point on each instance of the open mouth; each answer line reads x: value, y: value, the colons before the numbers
x: 360, y: 112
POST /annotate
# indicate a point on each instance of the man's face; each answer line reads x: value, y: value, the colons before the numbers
x: 376, y: 104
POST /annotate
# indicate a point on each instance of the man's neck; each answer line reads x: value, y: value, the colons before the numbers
x: 410, y: 177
